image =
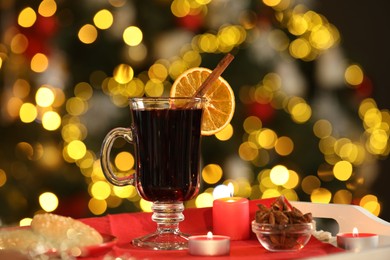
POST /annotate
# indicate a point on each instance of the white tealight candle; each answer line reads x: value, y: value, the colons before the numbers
x: 209, y: 245
x: 356, y: 241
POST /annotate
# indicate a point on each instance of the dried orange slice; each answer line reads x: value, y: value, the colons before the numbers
x: 219, y: 98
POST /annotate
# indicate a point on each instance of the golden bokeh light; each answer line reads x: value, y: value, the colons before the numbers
x: 267, y: 138
x: 293, y: 180
x: 125, y: 192
x: 252, y: 123
x: 154, y: 89
x: 322, y: 128
x: 321, y: 195
x: 21, y: 88
x: 342, y: 197
x: 28, y: 113
x: 301, y: 112
x: 247, y: 151
x: 180, y: 8
x: 47, y: 8
x: 48, y: 201
x: 76, y: 149
x: 19, y: 43
x: 83, y: 90
x: 279, y: 175
x: 158, y: 72
x: 51, y: 120
x: 370, y: 203
x: 310, y: 183
x: 88, y: 34
x: 270, y: 193
x: 226, y: 133
x: 271, y: 2
x: 76, y: 106
x: 354, y: 75
x: 298, y: 24
x: 3, y: 178
x: 343, y: 170
x: 44, y: 97
x: 300, y: 48
x: 27, y: 17
x: 39, y: 63
x: 25, y: 222
x: 124, y: 161
x: 204, y: 200
x: 123, y: 73
x: 146, y: 206
x: 100, y: 190
x: 103, y: 19
x: 132, y: 36
x: 97, y: 207
x: 284, y: 145
x: 212, y: 173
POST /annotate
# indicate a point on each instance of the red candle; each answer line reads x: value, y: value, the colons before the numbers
x: 209, y: 245
x: 231, y: 218
x: 356, y: 241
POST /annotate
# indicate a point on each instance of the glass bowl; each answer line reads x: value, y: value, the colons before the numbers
x: 289, y: 237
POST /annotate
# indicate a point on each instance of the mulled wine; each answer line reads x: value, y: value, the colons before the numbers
x: 167, y: 153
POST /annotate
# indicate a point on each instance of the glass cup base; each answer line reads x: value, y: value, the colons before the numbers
x: 163, y: 241
x: 168, y: 236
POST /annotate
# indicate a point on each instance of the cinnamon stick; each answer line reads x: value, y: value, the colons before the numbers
x: 222, y: 65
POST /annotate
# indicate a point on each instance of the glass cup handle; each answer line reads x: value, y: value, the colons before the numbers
x: 119, y: 132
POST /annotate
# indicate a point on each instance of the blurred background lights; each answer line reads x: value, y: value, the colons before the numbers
x: 123, y: 73
x: 96, y: 206
x: 125, y: 191
x: 3, y: 177
x: 284, y: 145
x: 124, y: 161
x: 342, y: 170
x: 48, y: 201
x: 145, y: 205
x: 212, y: 173
x: 19, y: 43
x: 354, y: 75
x: 44, y: 97
x: 76, y: 149
x: 39, y: 63
x: 27, y: 17
x: 100, y: 190
x: 51, y: 120
x: 279, y: 175
x: 225, y: 134
x: 321, y: 195
x: 25, y: 222
x: 47, y: 8
x: 132, y: 36
x: 204, y: 200
x: 103, y: 19
x: 88, y: 34
x: 69, y: 70
x: 28, y: 113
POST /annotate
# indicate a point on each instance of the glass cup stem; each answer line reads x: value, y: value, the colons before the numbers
x: 168, y: 236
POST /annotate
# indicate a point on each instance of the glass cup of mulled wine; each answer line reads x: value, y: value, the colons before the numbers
x: 166, y: 134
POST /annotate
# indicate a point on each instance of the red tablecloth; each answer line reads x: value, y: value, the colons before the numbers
x: 127, y: 226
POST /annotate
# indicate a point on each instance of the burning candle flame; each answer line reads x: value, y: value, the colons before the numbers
x: 209, y: 235
x: 223, y: 191
x: 355, y: 232
x: 231, y: 189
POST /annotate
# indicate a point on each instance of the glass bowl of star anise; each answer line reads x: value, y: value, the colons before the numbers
x: 282, y: 227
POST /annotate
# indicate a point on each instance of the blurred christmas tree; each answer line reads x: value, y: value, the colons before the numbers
x: 305, y: 124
